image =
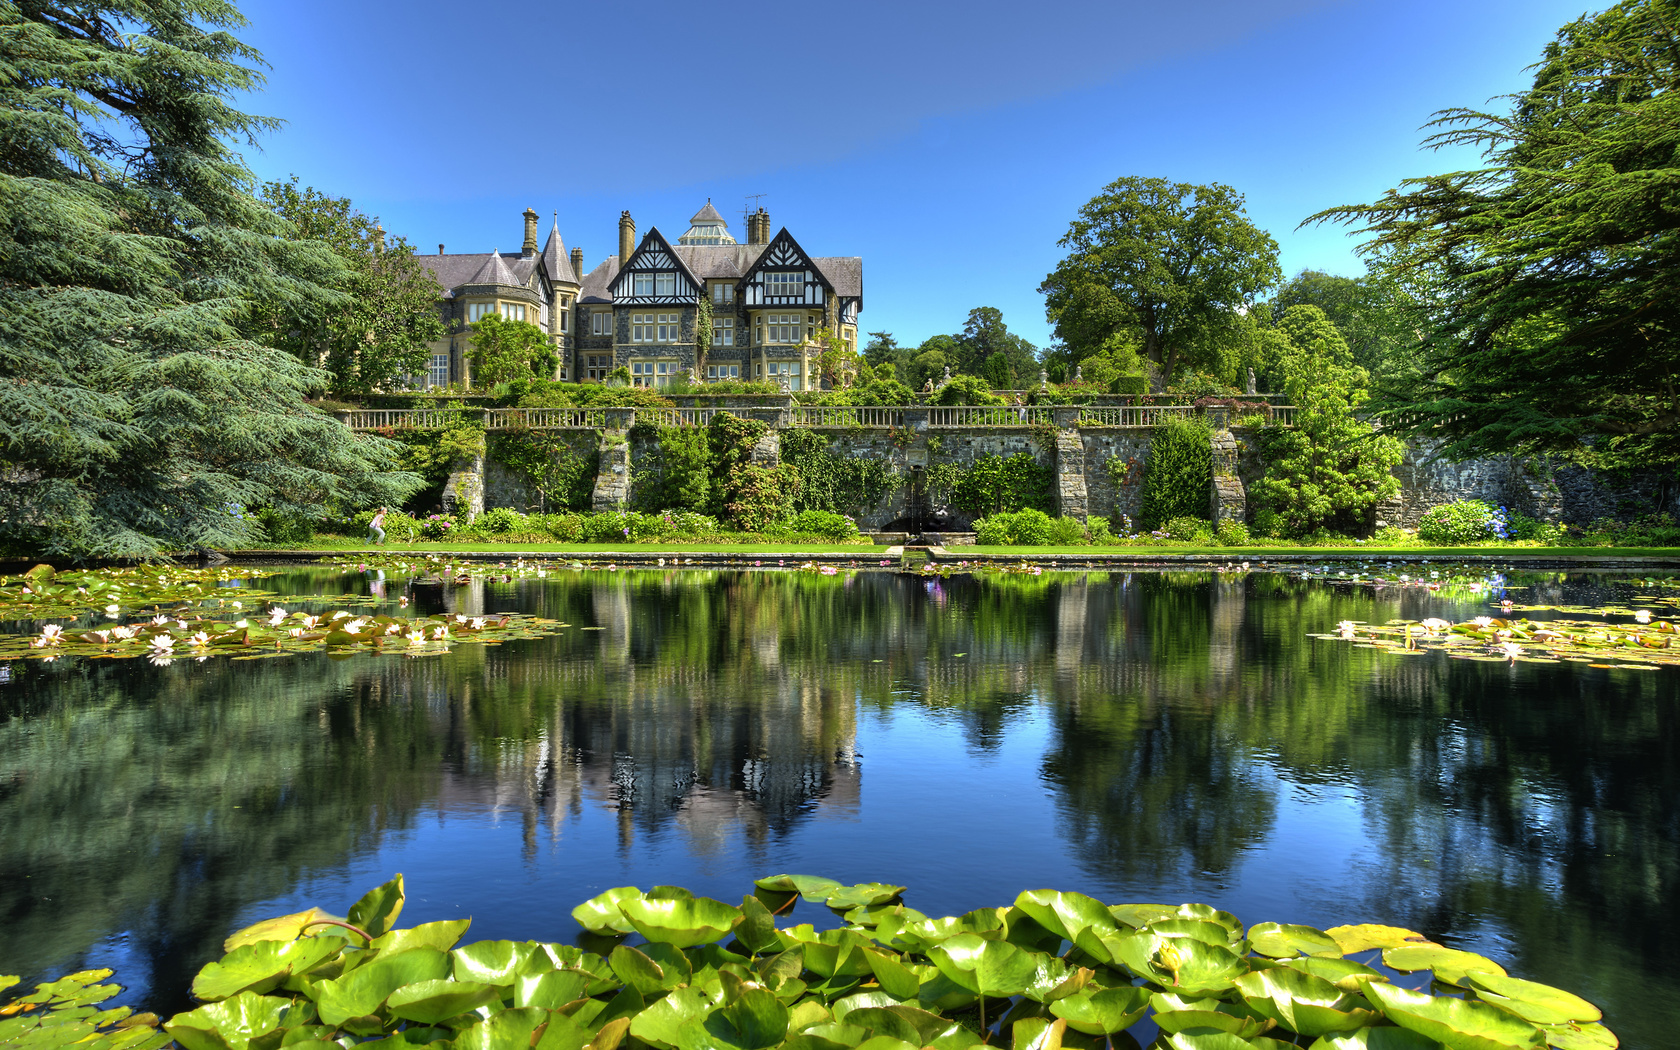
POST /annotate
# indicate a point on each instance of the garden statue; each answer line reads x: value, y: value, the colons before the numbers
x: 1251, y: 389
x: 1043, y: 379
x: 947, y: 378
x: 1078, y: 374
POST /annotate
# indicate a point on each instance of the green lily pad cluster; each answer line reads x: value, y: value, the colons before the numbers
x: 1644, y: 644
x: 1054, y: 970
x: 66, y: 1013
x: 43, y: 593
x: 276, y: 632
x: 438, y: 568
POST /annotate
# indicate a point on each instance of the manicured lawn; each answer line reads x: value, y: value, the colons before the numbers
x: 1364, y: 552
x: 339, y: 546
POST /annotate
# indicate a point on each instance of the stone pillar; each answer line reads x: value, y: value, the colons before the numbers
x: 1227, y: 501
x: 612, y: 478
x: 1072, y: 498
x: 463, y: 493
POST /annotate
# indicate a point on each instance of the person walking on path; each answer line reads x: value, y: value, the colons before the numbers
x: 376, y: 528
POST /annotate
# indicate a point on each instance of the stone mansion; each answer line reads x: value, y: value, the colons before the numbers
x: 638, y: 309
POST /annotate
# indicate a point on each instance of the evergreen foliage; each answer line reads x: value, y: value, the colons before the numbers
x: 1555, y: 323
x: 997, y: 484
x: 1179, y: 475
x: 823, y: 481
x: 139, y: 409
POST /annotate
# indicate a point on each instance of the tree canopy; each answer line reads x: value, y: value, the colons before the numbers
x: 382, y: 328
x: 507, y: 351
x: 139, y: 411
x: 1170, y: 263
x: 1554, y: 324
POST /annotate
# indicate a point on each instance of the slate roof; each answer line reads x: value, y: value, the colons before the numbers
x: 597, y: 284
x: 559, y: 261
x: 707, y: 216
x: 844, y: 272
x: 718, y: 260
x: 495, y: 271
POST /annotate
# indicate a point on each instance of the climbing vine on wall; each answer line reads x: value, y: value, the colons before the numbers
x: 563, y: 479
x: 822, y: 480
x: 682, y: 478
x: 995, y: 483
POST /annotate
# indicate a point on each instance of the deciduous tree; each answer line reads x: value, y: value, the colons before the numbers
x: 506, y: 351
x: 1174, y: 263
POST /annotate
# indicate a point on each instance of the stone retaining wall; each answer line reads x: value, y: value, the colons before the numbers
x: 1084, y: 484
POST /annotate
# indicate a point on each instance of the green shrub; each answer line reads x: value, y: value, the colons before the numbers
x: 1232, y: 534
x: 1099, y: 530
x: 500, y: 522
x: 995, y: 484
x: 1466, y: 521
x: 1025, y: 528
x: 1131, y: 386
x: 968, y: 390
x: 822, y: 523
x: 621, y: 526
x: 1393, y: 536
x: 1534, y: 530
x: 1179, y: 474
x: 1067, y: 531
x: 281, y: 527
x: 1188, y: 529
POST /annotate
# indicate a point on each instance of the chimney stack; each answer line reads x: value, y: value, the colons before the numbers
x: 758, y: 227
x: 577, y: 262
x: 530, y: 246
x: 626, y: 237
x: 440, y: 249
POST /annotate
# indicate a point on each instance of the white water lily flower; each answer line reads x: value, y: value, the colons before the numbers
x: 100, y: 636
x: 1483, y: 621
x: 200, y: 639
x: 182, y: 624
x: 296, y: 632
x: 276, y: 617
x: 1509, y: 650
x: 52, y: 634
x: 1346, y: 628
x: 163, y: 643
x: 340, y: 614
x: 460, y: 617
x: 440, y: 633
x: 1434, y: 623
x: 478, y: 623
x: 111, y: 611
x: 311, y: 621
x: 242, y: 623
x: 160, y: 619
x: 1642, y: 615
x: 160, y: 658
x: 237, y: 605
x: 354, y: 626
x: 123, y: 634
x: 417, y: 636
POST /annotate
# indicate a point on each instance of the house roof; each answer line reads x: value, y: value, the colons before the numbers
x: 707, y: 216
x: 597, y: 285
x: 556, y: 258
x: 844, y: 272
x: 495, y: 271
x: 716, y: 261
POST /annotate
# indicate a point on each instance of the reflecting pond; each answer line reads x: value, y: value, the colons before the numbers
x: 1135, y: 736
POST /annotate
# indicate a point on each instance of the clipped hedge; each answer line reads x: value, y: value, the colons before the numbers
x: 1052, y: 970
x: 1179, y: 474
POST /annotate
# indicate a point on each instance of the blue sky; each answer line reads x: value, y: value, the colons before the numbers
x: 948, y: 144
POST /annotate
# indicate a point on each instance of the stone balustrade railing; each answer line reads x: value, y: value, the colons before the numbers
x: 880, y: 417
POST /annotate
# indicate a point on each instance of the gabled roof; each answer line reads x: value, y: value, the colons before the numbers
x: 718, y: 261
x: 557, y: 260
x: 655, y: 241
x: 785, y: 242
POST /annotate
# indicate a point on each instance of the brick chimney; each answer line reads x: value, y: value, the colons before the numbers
x: 577, y: 262
x: 530, y: 245
x: 758, y: 227
x: 626, y: 237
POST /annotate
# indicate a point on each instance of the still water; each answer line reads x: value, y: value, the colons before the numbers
x: 1138, y: 737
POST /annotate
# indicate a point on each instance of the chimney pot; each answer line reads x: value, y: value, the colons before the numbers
x: 577, y: 262
x: 440, y: 249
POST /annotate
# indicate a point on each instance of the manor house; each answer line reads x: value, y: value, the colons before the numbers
x: 639, y: 309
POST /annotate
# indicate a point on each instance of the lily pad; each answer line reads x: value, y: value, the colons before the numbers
x: 1281, y: 940
x: 1102, y: 1013
x: 1449, y: 964
x: 602, y: 913
x: 1459, y: 1023
x: 433, y: 1002
x: 1539, y: 1003
x: 684, y: 923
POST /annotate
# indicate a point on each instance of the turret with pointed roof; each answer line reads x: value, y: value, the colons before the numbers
x: 555, y: 258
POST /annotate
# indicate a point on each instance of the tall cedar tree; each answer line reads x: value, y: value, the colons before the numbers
x: 1168, y: 263
x: 1555, y: 266
x: 383, y: 328
x: 137, y: 414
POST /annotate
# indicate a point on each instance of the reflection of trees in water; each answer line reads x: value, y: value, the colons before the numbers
x: 720, y: 709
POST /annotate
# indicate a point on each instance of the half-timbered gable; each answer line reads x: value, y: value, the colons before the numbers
x: 785, y: 275
x: 655, y: 276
